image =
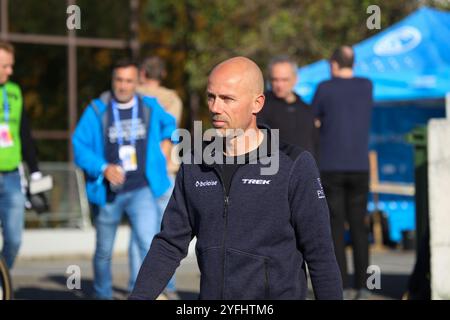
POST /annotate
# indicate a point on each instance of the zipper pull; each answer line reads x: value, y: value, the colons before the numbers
x: 226, y: 201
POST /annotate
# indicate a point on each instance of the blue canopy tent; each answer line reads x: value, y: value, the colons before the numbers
x: 408, y: 61
x: 409, y: 65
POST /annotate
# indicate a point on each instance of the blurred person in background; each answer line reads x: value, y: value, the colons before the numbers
x: 118, y: 143
x: 343, y: 107
x: 16, y: 145
x: 151, y: 74
x: 285, y: 110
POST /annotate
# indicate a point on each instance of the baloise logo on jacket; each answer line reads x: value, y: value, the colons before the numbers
x: 208, y: 183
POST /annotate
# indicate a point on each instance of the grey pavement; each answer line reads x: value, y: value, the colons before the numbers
x: 40, y: 278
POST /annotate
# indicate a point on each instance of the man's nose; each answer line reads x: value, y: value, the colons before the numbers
x: 121, y: 86
x: 215, y: 106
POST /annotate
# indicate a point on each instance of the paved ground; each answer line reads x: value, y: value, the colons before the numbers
x: 47, y: 278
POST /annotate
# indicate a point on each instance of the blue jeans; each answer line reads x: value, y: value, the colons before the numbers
x: 12, y: 212
x: 135, y: 260
x: 143, y: 214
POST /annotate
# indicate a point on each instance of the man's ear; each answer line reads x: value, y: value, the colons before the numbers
x: 258, y: 103
x: 141, y: 75
x: 334, y: 67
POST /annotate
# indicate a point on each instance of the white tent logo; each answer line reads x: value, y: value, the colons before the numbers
x: 399, y: 41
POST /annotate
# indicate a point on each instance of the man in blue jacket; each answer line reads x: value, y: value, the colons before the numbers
x: 119, y: 142
x: 257, y: 230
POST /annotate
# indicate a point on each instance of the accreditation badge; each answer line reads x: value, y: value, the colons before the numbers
x: 128, y: 157
x: 6, y: 139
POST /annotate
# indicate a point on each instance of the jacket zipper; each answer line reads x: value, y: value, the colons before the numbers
x: 226, y: 200
x: 224, y: 254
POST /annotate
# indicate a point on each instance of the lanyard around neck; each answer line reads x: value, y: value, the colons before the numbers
x: 5, y: 104
x: 134, y: 115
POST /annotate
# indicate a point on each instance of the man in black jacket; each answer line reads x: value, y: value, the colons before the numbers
x: 285, y: 110
x: 256, y: 229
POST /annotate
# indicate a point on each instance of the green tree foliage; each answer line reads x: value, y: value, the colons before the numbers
x: 305, y: 29
x: 41, y: 70
x: 191, y: 35
x: 308, y: 30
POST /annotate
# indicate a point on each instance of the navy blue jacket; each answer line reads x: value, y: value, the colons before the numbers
x: 344, y: 107
x: 253, y: 240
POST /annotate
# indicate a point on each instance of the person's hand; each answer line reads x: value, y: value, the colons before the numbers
x: 36, y: 176
x: 114, y: 174
x: 317, y: 123
x: 166, y: 148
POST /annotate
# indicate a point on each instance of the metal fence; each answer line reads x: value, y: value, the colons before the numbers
x: 67, y: 200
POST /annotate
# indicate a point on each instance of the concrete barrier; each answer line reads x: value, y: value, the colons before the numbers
x: 439, y: 204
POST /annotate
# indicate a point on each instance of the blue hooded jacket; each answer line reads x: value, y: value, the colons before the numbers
x: 89, y: 138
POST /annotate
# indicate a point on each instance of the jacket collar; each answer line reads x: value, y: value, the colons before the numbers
x: 263, y: 151
x: 106, y: 97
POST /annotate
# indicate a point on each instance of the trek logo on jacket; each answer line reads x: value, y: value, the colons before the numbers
x: 253, y: 241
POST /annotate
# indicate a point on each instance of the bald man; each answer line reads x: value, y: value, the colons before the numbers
x: 256, y: 231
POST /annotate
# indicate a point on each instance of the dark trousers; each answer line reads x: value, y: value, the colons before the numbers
x: 347, y: 194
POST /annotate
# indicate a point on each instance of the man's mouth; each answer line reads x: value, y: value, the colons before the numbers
x: 218, y: 123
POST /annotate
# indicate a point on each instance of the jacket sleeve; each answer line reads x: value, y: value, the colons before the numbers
x: 83, y: 141
x: 167, y: 124
x: 168, y: 247
x: 28, y: 145
x: 311, y: 221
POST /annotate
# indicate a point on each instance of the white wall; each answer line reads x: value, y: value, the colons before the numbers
x: 439, y: 204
